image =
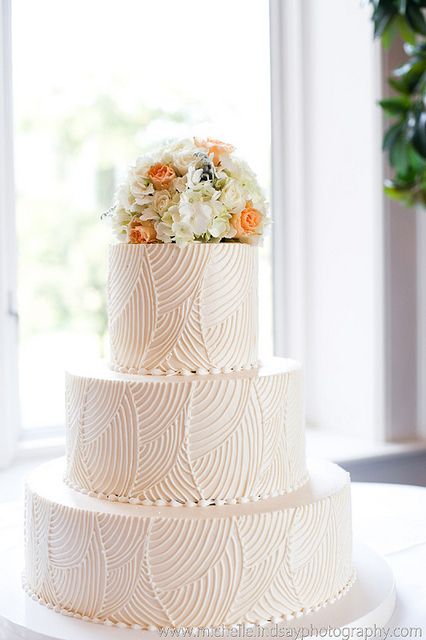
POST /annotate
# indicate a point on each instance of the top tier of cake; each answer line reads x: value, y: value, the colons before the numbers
x: 185, y: 310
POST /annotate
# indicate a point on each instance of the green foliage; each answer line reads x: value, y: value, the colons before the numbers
x: 398, y: 16
x: 405, y: 139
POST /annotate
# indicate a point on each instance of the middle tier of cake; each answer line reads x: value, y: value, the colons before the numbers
x: 198, y: 440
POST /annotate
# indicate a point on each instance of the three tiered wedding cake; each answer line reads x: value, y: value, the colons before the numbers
x: 187, y: 500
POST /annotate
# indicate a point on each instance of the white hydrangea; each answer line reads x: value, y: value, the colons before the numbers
x: 120, y: 222
x: 199, y: 212
x: 164, y: 231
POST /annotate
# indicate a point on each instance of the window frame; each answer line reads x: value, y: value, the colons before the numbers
x: 9, y: 397
x: 287, y: 171
x: 42, y: 440
x: 15, y: 441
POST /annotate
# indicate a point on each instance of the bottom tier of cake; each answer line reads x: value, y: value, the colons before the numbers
x: 150, y: 567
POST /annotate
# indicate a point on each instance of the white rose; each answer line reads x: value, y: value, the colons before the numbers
x: 161, y: 201
x: 233, y: 196
x: 182, y: 160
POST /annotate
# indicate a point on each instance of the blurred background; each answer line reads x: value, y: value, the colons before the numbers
x: 89, y: 97
x: 293, y: 84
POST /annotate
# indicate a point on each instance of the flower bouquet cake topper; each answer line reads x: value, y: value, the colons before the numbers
x: 190, y: 191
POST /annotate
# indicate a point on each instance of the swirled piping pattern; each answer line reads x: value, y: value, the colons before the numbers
x: 192, y: 309
x: 153, y: 571
x: 152, y: 627
x: 200, y: 440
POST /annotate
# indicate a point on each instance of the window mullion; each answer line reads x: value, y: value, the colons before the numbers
x: 287, y: 100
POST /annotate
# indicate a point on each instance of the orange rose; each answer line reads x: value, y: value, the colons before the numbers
x: 142, y: 232
x: 161, y: 175
x: 216, y: 147
x: 247, y: 222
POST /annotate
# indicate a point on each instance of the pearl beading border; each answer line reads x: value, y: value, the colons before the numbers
x: 285, y: 617
x: 112, y: 497
x: 183, y: 372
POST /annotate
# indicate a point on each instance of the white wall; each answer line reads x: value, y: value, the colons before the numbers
x: 339, y: 258
x: 343, y: 209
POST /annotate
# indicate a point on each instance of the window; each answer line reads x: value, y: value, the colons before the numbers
x: 97, y: 83
x: 94, y: 85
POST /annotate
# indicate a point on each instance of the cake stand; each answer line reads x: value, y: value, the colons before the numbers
x: 370, y: 601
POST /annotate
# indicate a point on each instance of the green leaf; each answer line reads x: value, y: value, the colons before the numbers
x: 398, y: 154
x: 398, y: 86
x: 381, y: 26
x: 384, y: 12
x: 417, y: 50
x: 405, y: 140
x: 389, y: 33
x: 391, y: 136
x: 419, y: 137
x: 408, y: 75
x: 413, y: 67
x: 415, y: 18
x: 396, y: 105
x: 407, y: 34
x: 421, y: 85
x: 417, y: 163
x: 396, y: 193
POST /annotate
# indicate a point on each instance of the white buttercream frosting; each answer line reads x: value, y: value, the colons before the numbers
x: 146, y: 566
x: 186, y: 419
x: 191, y: 309
x: 202, y: 439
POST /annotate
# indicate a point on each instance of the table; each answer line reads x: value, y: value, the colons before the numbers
x: 391, y: 519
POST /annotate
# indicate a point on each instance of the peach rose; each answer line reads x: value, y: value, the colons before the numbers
x: 216, y: 147
x: 247, y: 222
x: 142, y: 232
x: 161, y: 175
